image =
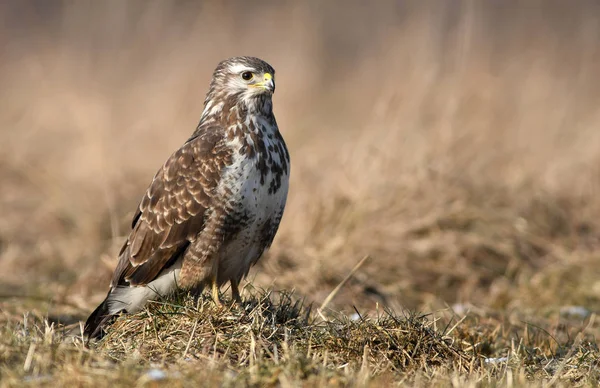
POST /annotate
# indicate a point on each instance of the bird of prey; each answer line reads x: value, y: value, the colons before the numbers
x: 214, y: 206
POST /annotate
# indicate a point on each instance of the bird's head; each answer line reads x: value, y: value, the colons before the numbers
x: 246, y: 81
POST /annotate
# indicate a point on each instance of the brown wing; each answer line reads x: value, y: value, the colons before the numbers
x: 172, y: 212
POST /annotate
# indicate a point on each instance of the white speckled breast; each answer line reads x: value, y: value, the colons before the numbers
x: 260, y: 208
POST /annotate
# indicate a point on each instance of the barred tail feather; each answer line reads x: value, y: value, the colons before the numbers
x: 97, y: 321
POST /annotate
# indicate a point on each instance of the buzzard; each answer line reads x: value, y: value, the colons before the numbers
x: 214, y: 206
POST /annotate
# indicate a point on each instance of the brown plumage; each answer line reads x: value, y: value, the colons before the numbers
x: 216, y: 203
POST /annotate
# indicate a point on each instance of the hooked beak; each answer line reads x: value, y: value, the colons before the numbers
x: 268, y: 83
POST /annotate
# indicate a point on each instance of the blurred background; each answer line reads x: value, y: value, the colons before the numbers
x: 455, y: 143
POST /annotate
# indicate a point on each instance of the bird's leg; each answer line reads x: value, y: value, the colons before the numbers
x: 235, y: 292
x: 215, y: 285
x: 215, y: 294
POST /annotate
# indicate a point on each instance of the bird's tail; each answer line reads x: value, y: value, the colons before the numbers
x: 96, y: 322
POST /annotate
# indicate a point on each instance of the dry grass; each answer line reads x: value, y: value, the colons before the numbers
x: 274, y: 340
x: 456, y: 145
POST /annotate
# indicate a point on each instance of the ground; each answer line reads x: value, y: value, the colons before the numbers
x: 455, y: 148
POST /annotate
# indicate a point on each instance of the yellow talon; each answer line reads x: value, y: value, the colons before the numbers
x: 215, y: 294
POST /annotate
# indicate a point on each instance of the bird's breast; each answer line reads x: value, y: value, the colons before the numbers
x: 257, y: 180
x: 256, y: 185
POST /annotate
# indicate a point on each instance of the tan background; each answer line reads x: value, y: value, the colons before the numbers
x: 456, y: 143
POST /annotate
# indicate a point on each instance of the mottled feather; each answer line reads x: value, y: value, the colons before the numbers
x: 171, y: 213
x: 214, y: 206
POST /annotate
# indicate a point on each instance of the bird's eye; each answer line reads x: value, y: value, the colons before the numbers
x: 247, y: 75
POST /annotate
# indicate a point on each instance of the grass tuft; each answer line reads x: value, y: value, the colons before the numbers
x: 274, y: 338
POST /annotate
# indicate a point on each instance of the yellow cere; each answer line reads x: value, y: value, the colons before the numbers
x: 268, y: 76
